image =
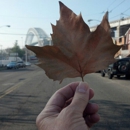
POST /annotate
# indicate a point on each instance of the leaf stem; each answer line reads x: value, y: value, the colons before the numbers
x: 81, y: 72
x: 82, y: 78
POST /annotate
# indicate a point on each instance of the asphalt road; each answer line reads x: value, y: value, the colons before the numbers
x: 24, y: 93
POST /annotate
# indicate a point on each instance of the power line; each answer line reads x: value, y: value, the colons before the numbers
x: 109, y: 6
x: 111, y: 3
x: 122, y: 13
x: 126, y: 10
x: 115, y: 16
x: 27, y: 17
x: 12, y: 34
x: 125, y: 14
x: 20, y: 34
x: 117, y: 6
x: 93, y: 14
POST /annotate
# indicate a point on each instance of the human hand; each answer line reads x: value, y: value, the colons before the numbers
x: 69, y: 109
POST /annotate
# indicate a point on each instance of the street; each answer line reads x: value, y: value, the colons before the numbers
x: 24, y: 93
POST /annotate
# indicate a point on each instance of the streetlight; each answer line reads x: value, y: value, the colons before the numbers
x: 5, y: 26
x: 93, y: 20
x: 94, y: 27
x: 106, y: 15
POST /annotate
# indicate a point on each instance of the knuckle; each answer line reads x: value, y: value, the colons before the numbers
x: 81, y: 99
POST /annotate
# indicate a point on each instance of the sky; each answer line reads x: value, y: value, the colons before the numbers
x: 22, y: 15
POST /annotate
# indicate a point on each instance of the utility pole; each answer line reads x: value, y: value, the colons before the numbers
x: 16, y: 49
x: 22, y: 42
x: 1, y: 55
x: 26, y: 53
x: 1, y: 45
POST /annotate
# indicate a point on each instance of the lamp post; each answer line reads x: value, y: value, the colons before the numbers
x: 89, y: 20
x: 94, y: 27
x: 107, y: 14
x: 5, y: 26
x: 93, y: 20
x: 24, y: 48
x: 1, y: 45
x: 22, y: 42
x: 26, y: 53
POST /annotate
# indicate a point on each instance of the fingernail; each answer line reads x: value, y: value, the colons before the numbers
x: 82, y: 87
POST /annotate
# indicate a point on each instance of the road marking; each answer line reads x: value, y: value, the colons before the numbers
x: 11, y: 89
x: 17, y: 86
x: 7, y: 84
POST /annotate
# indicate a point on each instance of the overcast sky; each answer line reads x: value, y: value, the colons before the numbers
x: 24, y: 14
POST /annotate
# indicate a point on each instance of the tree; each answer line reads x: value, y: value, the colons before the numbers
x: 17, y: 49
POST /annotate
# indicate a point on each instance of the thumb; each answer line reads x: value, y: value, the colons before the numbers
x: 81, y: 97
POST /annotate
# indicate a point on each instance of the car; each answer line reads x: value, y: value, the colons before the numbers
x: 27, y: 63
x: 12, y: 65
x: 120, y: 68
x: 21, y: 64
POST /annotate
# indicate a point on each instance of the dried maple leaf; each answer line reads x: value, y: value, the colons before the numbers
x: 76, y: 51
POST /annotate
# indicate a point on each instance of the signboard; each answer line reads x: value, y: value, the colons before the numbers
x: 13, y: 54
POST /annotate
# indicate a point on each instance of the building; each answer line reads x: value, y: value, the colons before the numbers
x: 120, y: 33
x: 125, y: 41
x: 118, y: 27
x: 128, y: 39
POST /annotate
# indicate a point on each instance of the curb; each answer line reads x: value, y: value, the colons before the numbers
x: 4, y: 68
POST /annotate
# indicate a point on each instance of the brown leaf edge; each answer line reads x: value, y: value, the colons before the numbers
x: 105, y: 27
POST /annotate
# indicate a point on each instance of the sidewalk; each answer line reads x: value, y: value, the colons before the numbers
x: 2, y: 68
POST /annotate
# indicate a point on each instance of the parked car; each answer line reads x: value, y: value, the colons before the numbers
x: 27, y: 63
x: 12, y: 65
x: 21, y: 64
x: 120, y: 68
